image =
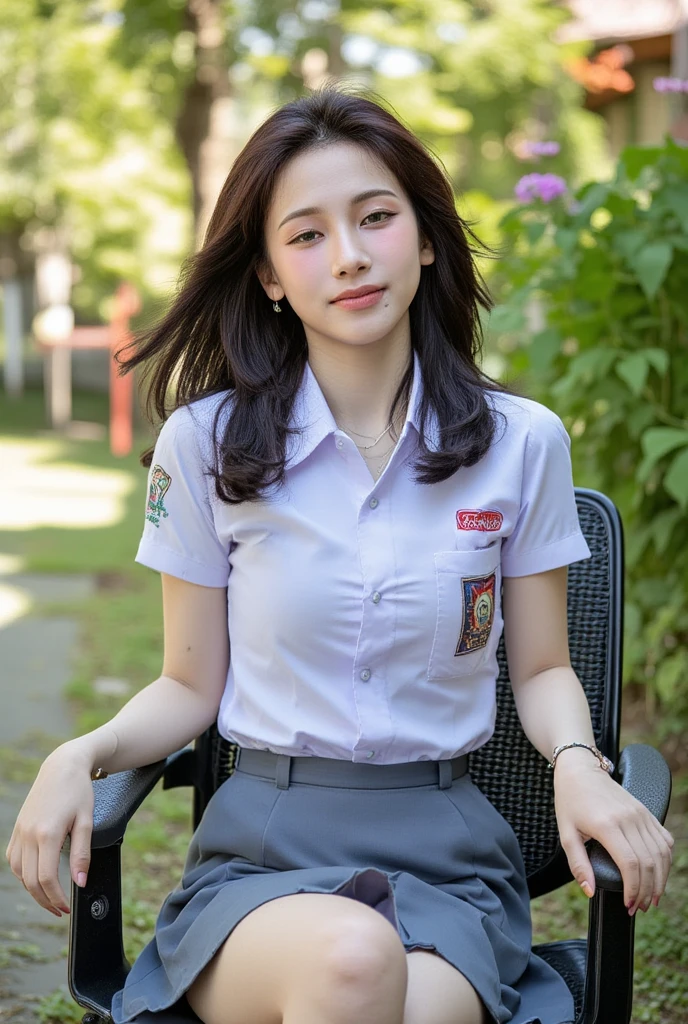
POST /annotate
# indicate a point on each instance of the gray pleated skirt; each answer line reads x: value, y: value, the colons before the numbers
x: 425, y: 849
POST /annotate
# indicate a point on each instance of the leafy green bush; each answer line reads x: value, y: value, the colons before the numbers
x: 594, y: 323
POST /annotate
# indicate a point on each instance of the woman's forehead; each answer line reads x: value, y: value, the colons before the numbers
x: 330, y: 175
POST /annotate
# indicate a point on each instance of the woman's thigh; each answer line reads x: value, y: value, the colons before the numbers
x: 302, y: 950
x: 439, y: 994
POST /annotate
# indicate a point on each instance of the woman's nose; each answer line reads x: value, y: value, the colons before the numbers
x: 348, y: 254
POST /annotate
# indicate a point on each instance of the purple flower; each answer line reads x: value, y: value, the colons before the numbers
x: 670, y: 84
x: 540, y: 186
x: 543, y: 148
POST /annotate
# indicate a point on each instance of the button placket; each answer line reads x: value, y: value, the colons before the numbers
x: 377, y: 623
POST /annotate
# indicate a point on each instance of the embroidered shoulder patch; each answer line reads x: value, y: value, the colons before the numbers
x: 487, y: 520
x: 159, y: 486
x: 478, y: 612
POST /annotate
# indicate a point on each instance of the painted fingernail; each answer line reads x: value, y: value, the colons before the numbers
x: 656, y: 899
x: 81, y: 879
x: 585, y: 886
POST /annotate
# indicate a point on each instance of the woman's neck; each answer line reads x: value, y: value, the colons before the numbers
x: 359, y: 385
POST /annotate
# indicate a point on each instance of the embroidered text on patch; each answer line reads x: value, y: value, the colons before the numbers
x: 487, y: 520
x: 159, y: 486
x: 478, y: 613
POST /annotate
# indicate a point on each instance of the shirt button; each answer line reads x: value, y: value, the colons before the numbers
x: 365, y: 675
x: 377, y: 597
x: 373, y: 503
x: 371, y: 753
x: 340, y: 443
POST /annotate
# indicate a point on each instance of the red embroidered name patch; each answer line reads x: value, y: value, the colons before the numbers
x: 487, y: 520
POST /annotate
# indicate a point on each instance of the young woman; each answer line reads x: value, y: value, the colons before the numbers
x: 341, y: 492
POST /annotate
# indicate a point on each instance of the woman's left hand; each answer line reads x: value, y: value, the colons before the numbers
x: 589, y: 804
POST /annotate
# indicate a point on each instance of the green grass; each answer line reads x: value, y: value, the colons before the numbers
x: 121, y: 636
x: 107, y: 549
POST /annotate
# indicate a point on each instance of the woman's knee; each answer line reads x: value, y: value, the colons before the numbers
x: 359, y: 948
x: 299, y: 949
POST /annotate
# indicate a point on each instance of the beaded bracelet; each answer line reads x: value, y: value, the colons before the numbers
x: 605, y: 764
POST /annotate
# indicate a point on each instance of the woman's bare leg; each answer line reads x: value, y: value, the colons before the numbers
x: 306, y: 958
x: 439, y: 994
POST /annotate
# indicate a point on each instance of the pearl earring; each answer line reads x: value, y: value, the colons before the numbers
x: 277, y: 308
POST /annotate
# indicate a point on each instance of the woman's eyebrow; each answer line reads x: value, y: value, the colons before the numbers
x: 306, y: 211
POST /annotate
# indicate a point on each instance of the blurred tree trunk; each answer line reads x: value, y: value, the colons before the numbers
x: 205, y: 123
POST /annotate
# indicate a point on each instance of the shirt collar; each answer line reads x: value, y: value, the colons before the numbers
x: 313, y: 416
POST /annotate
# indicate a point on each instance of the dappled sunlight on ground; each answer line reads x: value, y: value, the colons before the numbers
x: 39, y: 491
x: 14, y: 602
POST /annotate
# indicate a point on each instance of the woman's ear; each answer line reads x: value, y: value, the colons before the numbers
x: 270, y: 284
x: 427, y: 253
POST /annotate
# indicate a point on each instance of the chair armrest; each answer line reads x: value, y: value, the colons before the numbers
x: 97, y: 967
x: 645, y: 774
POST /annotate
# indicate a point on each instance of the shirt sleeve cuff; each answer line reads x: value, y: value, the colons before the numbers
x: 573, y: 548
x: 163, y: 559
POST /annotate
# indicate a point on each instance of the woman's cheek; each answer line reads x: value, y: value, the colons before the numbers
x: 395, y: 244
x: 304, y: 273
x: 306, y: 282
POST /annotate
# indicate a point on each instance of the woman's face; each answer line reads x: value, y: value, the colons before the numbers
x: 339, y: 220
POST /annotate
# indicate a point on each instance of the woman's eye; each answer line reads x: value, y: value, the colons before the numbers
x: 379, y: 213
x: 302, y: 236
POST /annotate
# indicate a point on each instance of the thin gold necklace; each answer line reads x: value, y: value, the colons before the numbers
x: 365, y: 447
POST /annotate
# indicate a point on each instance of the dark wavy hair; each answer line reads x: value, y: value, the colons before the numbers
x: 221, y: 333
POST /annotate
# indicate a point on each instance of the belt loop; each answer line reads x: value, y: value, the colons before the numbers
x: 283, y: 770
x: 444, y: 772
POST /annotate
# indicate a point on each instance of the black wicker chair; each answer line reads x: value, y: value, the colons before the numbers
x: 512, y: 774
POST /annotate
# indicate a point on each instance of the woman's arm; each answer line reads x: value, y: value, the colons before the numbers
x: 161, y: 718
x: 183, y: 702
x: 553, y: 709
x: 550, y: 700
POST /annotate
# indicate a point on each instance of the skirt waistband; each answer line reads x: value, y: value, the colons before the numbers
x: 330, y: 771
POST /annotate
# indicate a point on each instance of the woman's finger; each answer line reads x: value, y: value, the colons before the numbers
x: 48, y: 867
x: 666, y: 840
x: 29, y: 877
x: 645, y: 864
x: 662, y: 855
x: 623, y: 854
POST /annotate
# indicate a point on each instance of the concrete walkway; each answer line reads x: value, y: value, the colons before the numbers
x: 36, y: 653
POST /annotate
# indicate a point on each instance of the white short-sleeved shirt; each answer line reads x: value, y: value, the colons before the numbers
x: 364, y: 616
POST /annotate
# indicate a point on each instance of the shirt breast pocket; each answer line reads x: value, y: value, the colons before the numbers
x: 468, y: 615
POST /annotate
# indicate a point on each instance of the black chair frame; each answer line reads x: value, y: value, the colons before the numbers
x: 598, y: 970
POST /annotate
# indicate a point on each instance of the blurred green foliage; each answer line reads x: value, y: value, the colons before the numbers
x: 91, y: 92
x: 606, y: 274
x: 84, y: 149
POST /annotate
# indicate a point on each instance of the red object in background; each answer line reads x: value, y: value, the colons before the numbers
x: 113, y: 336
x: 127, y: 304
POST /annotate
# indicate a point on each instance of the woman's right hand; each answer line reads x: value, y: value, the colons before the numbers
x: 60, y: 802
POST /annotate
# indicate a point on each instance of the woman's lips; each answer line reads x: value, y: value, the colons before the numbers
x: 360, y: 301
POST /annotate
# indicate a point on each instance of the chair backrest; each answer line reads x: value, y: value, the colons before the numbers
x: 508, y: 769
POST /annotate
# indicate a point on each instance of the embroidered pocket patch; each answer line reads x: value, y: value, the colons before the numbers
x: 478, y: 612
x: 159, y: 486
